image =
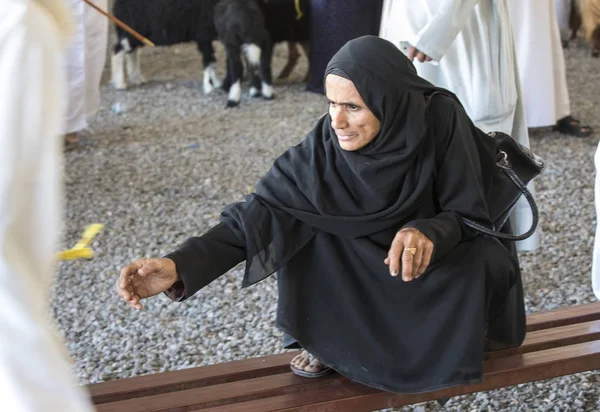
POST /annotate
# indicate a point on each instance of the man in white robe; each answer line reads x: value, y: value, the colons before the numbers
x: 542, y: 67
x: 34, y: 371
x: 470, y: 45
x: 86, y: 57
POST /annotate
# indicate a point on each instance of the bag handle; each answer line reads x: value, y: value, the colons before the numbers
x: 503, y: 164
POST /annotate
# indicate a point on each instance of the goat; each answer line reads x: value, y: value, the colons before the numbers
x: 164, y: 23
x: 240, y: 26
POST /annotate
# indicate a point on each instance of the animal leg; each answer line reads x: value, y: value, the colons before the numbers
x: 118, y: 70
x: 253, y: 54
x: 265, y: 71
x: 235, y: 69
x: 134, y: 70
x: 293, y: 56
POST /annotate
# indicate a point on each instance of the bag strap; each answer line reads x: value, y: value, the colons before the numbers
x: 503, y: 164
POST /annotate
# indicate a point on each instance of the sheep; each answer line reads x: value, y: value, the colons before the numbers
x: 164, y: 23
x: 241, y: 28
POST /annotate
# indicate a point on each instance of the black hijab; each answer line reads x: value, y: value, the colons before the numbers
x: 318, y: 186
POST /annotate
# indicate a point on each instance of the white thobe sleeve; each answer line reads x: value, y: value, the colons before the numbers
x: 34, y: 371
x: 430, y: 25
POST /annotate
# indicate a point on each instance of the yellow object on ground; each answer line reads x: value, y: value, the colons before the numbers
x: 81, y: 249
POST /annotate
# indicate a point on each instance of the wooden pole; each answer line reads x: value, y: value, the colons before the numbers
x: 120, y: 24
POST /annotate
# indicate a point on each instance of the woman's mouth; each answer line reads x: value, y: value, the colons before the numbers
x: 345, y: 137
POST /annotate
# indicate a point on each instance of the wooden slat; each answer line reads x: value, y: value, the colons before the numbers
x: 563, y: 316
x: 171, y: 381
x: 553, y: 338
x: 223, y: 394
x: 347, y: 389
x: 498, y: 373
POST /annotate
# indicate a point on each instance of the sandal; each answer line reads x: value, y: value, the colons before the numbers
x: 71, y: 141
x: 570, y: 126
x: 306, y: 374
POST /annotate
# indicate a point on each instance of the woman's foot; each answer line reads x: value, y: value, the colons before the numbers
x: 570, y: 126
x: 307, y: 366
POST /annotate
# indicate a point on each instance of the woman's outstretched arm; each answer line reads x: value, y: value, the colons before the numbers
x: 196, y: 263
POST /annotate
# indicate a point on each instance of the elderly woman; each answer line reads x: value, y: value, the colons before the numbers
x: 378, y: 277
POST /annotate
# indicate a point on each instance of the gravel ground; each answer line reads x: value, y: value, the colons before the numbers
x: 161, y: 169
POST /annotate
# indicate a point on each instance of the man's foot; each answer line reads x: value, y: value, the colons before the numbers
x: 72, y: 141
x: 570, y: 126
x: 72, y: 138
x: 307, y: 366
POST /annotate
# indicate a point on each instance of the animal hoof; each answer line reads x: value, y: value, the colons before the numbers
x: 138, y: 81
x: 254, y: 92
x: 596, y: 53
x: 271, y: 97
x: 232, y: 103
x: 121, y: 86
x: 208, y: 89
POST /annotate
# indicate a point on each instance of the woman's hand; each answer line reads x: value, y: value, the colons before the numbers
x: 144, y: 278
x: 415, y: 250
x: 414, y: 52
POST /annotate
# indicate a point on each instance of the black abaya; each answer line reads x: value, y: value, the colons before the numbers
x: 338, y: 300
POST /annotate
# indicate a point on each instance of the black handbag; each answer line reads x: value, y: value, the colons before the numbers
x: 506, y: 181
x: 516, y: 166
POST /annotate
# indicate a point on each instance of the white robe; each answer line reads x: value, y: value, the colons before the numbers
x: 35, y: 375
x: 85, y: 62
x: 596, y: 253
x: 541, y: 61
x: 471, y: 43
x: 563, y: 12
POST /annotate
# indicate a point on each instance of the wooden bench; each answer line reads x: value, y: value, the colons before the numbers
x: 560, y: 342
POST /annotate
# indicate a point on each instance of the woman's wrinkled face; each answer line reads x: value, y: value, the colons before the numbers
x: 354, y: 124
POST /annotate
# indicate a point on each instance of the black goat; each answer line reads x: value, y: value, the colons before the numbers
x: 241, y: 28
x: 164, y: 22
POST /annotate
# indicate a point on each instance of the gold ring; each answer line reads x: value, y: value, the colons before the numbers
x: 412, y: 250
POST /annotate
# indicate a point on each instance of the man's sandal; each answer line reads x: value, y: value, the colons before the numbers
x: 570, y: 126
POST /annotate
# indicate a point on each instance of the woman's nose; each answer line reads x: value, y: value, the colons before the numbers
x: 338, y: 118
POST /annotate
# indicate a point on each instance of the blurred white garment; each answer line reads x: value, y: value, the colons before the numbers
x: 563, y: 12
x: 35, y: 375
x: 541, y: 62
x: 85, y: 61
x: 472, y: 43
x: 596, y: 255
